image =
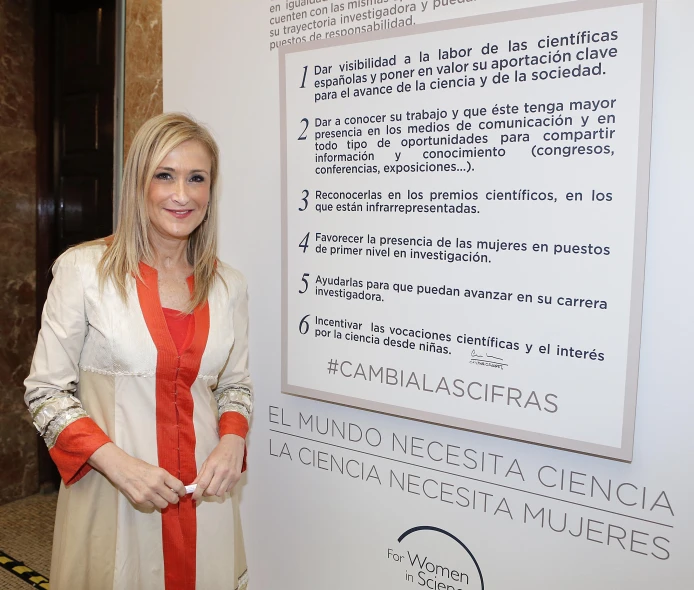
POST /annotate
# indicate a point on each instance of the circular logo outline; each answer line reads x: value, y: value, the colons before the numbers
x: 452, y: 536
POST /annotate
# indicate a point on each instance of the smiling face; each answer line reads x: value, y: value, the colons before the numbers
x: 180, y: 191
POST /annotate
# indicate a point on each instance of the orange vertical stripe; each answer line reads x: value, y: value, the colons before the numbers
x: 175, y: 430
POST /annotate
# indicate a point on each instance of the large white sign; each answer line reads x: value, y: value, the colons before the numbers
x: 337, y: 497
x: 465, y: 219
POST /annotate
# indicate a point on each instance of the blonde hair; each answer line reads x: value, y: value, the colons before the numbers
x: 131, y: 243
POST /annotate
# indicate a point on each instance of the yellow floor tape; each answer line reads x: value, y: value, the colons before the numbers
x: 23, y: 572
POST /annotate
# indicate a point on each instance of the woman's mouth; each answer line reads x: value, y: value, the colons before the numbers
x: 179, y: 213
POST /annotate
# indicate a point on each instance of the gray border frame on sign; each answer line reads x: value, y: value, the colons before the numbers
x: 625, y: 451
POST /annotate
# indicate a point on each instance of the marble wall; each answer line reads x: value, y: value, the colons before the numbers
x: 143, y: 98
x: 143, y: 65
x: 18, y: 439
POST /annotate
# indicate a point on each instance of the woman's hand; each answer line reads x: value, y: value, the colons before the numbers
x: 143, y: 484
x: 222, y: 469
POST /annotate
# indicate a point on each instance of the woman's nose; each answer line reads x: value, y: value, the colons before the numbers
x: 181, y: 193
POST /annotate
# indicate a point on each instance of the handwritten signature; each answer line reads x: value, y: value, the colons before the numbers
x: 487, y: 360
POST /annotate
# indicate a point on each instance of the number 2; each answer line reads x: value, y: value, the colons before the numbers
x: 303, y: 133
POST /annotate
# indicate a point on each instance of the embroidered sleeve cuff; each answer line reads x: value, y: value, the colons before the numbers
x: 73, y: 447
x: 235, y: 398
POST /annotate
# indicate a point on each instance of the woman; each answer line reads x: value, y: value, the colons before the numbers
x: 140, y: 385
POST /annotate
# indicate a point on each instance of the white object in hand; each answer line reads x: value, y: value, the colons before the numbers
x: 191, y: 488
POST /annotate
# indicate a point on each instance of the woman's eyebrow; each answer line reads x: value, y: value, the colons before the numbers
x: 169, y: 169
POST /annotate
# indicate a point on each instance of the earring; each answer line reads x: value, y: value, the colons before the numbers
x: 207, y: 214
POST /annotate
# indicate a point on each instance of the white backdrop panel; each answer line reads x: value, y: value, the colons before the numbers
x: 310, y: 526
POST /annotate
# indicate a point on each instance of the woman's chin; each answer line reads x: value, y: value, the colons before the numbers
x: 177, y: 229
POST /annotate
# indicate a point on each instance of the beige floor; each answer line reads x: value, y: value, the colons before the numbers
x: 26, y: 534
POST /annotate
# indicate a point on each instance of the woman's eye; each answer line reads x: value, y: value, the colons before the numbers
x: 197, y: 178
x: 163, y: 176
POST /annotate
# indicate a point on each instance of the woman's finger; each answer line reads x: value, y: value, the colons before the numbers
x: 226, y: 483
x: 229, y: 484
x: 168, y: 494
x: 203, y: 480
x: 215, y: 484
x: 176, y: 485
x: 159, y: 501
x: 202, y: 468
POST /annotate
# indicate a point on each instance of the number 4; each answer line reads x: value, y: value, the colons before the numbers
x: 304, y: 243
